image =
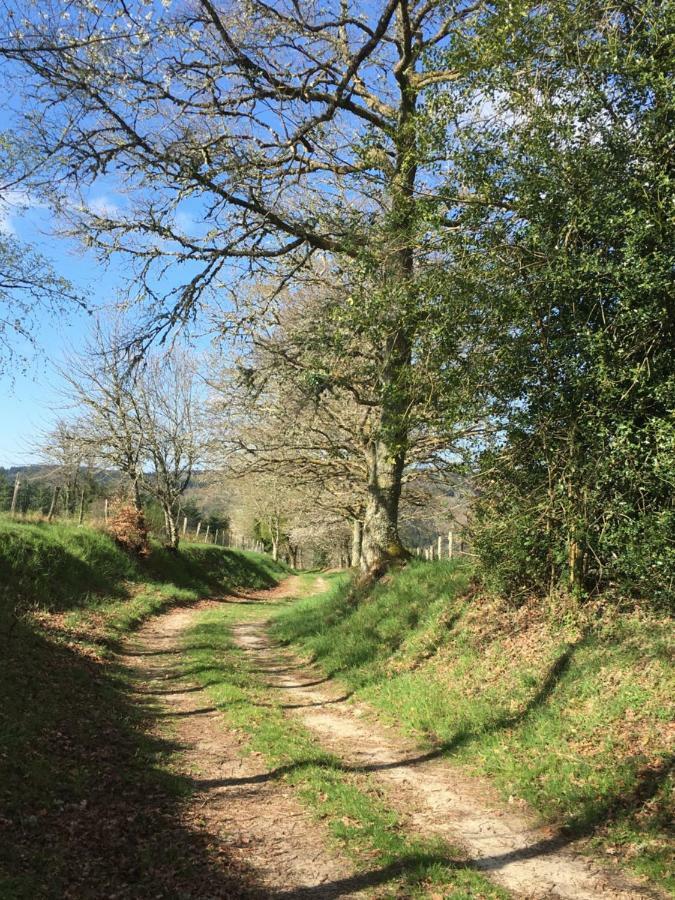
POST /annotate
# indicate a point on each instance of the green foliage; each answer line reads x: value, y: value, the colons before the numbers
x: 566, y: 712
x: 576, y: 490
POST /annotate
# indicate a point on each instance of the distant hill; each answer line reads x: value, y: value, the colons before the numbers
x: 43, y: 472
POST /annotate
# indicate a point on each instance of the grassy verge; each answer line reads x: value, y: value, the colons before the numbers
x: 350, y: 804
x: 77, y: 581
x: 568, y: 710
x: 90, y: 805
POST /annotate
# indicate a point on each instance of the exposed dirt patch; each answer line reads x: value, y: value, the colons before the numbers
x: 245, y: 812
x: 433, y: 795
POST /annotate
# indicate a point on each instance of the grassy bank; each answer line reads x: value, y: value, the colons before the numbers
x: 350, y: 804
x: 79, y: 581
x: 569, y: 710
x: 89, y: 803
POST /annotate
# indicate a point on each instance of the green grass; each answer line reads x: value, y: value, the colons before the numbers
x: 350, y: 804
x: 82, y: 574
x: 569, y: 710
x: 90, y: 804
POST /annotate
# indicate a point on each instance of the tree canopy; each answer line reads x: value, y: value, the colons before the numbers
x: 443, y: 230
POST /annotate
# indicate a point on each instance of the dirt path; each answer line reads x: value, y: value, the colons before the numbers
x: 433, y: 796
x: 235, y: 800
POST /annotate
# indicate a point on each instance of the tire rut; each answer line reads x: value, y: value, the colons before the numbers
x: 245, y: 811
x: 431, y: 794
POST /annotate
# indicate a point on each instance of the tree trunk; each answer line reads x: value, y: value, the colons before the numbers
x: 386, y: 456
x: 52, y: 506
x: 275, y: 532
x: 381, y: 544
x: 173, y: 537
x: 17, y: 485
x: 80, y: 518
x: 136, y: 495
x: 357, y: 541
x: 574, y: 566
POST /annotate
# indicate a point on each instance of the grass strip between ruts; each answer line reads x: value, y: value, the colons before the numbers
x: 352, y: 805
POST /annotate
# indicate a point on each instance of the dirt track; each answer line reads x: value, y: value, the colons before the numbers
x: 287, y: 848
x: 234, y: 798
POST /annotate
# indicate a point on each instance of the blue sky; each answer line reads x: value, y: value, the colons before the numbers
x: 30, y: 402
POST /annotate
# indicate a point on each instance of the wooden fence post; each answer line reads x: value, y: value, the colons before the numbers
x: 206, y: 536
x: 184, y: 525
x: 440, y: 547
x: 15, y: 495
x: 52, y: 506
x: 105, y: 510
x: 199, y: 525
x: 450, y: 547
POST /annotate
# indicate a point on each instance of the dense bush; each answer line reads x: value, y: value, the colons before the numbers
x: 577, y: 489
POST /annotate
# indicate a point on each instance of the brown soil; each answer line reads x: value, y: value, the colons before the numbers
x: 289, y: 852
x: 251, y: 815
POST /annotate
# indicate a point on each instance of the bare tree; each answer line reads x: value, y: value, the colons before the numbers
x: 65, y: 454
x: 100, y: 385
x: 165, y: 399
x: 303, y: 404
x: 296, y: 131
x: 31, y: 291
x: 264, y: 507
x: 139, y: 420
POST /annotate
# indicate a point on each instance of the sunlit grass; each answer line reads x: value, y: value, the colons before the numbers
x: 569, y: 712
x: 350, y: 804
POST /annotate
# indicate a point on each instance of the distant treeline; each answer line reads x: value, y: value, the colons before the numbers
x: 43, y: 489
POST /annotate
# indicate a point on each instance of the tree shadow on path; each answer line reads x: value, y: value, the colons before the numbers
x: 89, y: 806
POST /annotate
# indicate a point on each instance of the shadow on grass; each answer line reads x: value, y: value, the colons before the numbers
x: 211, y: 568
x: 88, y: 805
x: 60, y: 568
x: 646, y: 785
x: 47, y: 575
x: 410, y: 868
x: 649, y: 781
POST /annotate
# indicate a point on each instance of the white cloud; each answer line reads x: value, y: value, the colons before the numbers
x: 15, y: 203
x: 105, y: 207
x: 184, y: 222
